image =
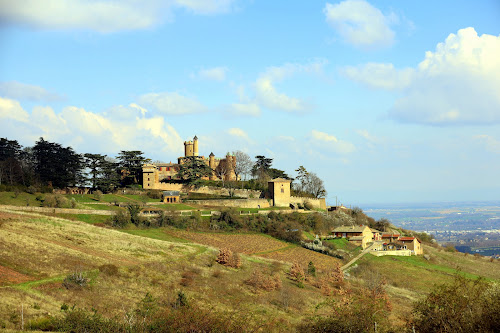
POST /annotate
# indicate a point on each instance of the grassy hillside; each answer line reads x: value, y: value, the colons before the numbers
x: 38, y: 252
x: 40, y: 256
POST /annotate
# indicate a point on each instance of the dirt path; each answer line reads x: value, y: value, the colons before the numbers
x: 350, y: 263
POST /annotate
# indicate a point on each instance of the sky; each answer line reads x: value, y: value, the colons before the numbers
x: 386, y: 101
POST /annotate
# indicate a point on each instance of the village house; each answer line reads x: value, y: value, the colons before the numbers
x: 358, y: 235
x: 412, y: 243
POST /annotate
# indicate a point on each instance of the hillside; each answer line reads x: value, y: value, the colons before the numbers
x: 38, y: 254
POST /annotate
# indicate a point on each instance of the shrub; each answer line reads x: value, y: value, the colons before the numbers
x: 311, y: 269
x: 108, y: 269
x: 227, y: 258
x: 42, y: 324
x: 308, y: 205
x: 154, y: 194
x: 264, y: 282
x: 461, y: 306
x: 75, y: 281
x: 296, y: 273
x: 98, y: 195
x: 120, y: 219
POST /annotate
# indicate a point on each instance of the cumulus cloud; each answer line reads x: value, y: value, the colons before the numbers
x: 215, y: 74
x: 380, y: 76
x: 457, y: 84
x: 369, y: 137
x: 22, y: 91
x: 11, y: 109
x: 238, y: 132
x: 269, y: 97
x: 87, y: 131
x: 329, y: 142
x: 100, y: 15
x: 172, y: 103
x: 360, y: 24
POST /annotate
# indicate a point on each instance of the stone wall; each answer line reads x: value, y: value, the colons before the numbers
x: 242, y: 193
x: 59, y: 210
x: 315, y: 202
x: 167, y: 186
x: 243, y: 203
x: 405, y: 253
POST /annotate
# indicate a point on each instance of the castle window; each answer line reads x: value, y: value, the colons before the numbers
x: 282, y: 190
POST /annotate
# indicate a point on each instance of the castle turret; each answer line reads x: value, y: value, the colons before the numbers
x: 195, y: 146
x: 211, y: 164
x: 188, y: 148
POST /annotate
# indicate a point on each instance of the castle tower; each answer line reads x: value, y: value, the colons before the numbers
x: 211, y: 164
x: 280, y: 191
x: 188, y: 148
x: 229, y: 167
x: 195, y: 146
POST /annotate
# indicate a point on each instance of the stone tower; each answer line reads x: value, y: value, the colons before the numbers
x: 195, y: 146
x: 280, y: 191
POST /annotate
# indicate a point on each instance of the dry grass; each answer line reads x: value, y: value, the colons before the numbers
x: 239, y: 243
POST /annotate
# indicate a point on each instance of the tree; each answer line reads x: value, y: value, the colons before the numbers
x: 94, y: 163
x: 109, y: 175
x: 57, y: 165
x: 261, y: 167
x: 10, y: 166
x: 302, y: 177
x: 462, y: 306
x: 192, y: 169
x: 131, y: 162
x: 221, y: 171
x: 315, y: 186
x: 243, y: 164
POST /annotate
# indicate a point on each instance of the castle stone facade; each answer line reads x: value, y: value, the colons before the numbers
x: 153, y: 174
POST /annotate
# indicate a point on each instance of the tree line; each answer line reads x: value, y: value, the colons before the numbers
x: 51, y: 165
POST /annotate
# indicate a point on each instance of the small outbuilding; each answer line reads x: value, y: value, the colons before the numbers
x: 171, y: 197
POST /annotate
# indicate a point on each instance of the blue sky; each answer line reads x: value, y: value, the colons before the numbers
x: 387, y: 101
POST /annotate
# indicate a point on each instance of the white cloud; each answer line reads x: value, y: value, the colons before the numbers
x: 269, y: 97
x: 360, y: 24
x: 244, y: 109
x: 369, y: 137
x: 322, y: 136
x: 11, y: 109
x: 382, y: 76
x: 99, y: 15
x: 215, y: 74
x: 329, y: 142
x: 459, y: 83
x: 87, y: 131
x: 238, y: 132
x: 172, y: 103
x: 491, y: 144
x: 22, y: 91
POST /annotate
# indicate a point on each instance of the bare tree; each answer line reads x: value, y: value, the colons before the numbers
x: 221, y: 171
x: 243, y: 164
x: 315, y: 185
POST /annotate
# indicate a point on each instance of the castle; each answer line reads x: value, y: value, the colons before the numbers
x: 222, y: 168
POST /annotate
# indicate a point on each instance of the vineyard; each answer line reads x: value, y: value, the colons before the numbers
x: 260, y: 245
x: 244, y: 243
x: 303, y: 256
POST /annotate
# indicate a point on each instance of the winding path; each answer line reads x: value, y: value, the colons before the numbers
x: 365, y: 251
